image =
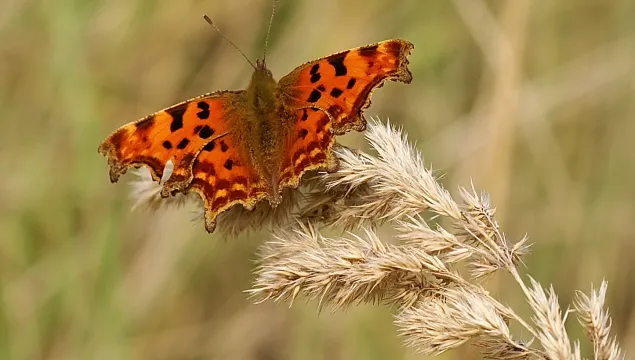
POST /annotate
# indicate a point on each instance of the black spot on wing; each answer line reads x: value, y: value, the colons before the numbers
x: 368, y: 51
x: 303, y: 133
x: 314, y: 96
x: 209, y: 146
x: 337, y: 62
x: 335, y: 92
x: 321, y: 88
x: 167, y: 144
x: 229, y: 164
x: 315, y: 75
x: 305, y: 115
x: 223, y: 146
x: 183, y: 144
x: 204, y: 113
x: 177, y: 116
x: 351, y: 83
x: 145, y: 123
x: 206, y: 132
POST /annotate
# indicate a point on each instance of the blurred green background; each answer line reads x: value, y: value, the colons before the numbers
x: 533, y: 100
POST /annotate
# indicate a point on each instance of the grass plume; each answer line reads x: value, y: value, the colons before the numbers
x: 433, y: 275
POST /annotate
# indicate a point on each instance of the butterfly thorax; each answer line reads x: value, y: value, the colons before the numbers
x: 266, y: 129
x: 261, y: 91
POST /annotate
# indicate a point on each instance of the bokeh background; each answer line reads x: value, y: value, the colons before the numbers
x: 533, y: 100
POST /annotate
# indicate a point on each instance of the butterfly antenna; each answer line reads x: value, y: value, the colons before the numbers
x: 273, y: 12
x: 229, y: 41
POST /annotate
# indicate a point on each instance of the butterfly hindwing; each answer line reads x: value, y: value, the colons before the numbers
x: 176, y: 133
x: 343, y: 83
x: 308, y: 147
x: 223, y: 175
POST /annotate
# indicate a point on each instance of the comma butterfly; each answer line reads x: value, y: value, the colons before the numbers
x: 240, y: 147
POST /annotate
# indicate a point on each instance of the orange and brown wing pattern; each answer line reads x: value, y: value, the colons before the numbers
x: 308, y: 147
x: 176, y: 133
x: 343, y: 83
x: 223, y: 176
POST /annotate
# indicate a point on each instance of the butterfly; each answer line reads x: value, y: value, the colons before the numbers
x: 241, y: 147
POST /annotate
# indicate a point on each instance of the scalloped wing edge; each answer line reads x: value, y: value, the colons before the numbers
x: 401, y: 74
x: 118, y: 168
x: 209, y: 216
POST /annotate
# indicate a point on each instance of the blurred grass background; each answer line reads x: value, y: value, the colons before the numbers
x: 534, y: 100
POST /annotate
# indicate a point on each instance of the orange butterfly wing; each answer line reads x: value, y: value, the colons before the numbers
x: 341, y: 84
x: 176, y: 133
x: 224, y: 176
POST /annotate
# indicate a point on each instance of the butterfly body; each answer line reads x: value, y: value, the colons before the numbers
x: 240, y: 147
x: 261, y: 130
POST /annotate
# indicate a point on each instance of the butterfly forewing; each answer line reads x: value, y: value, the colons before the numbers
x: 176, y: 133
x: 342, y: 84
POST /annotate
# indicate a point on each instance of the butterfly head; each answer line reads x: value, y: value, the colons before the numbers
x: 262, y: 77
x: 262, y: 67
x: 262, y: 89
